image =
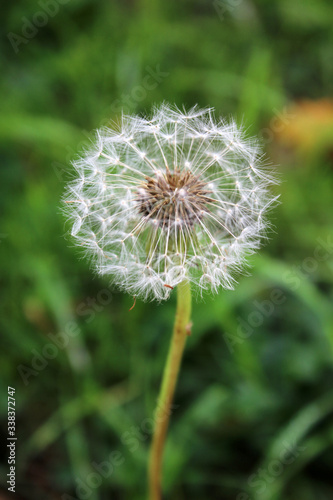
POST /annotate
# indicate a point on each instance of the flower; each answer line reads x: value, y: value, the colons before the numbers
x: 172, y: 197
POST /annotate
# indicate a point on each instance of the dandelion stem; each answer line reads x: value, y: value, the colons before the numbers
x: 180, y: 332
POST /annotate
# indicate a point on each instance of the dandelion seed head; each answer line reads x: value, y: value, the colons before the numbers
x: 173, y: 196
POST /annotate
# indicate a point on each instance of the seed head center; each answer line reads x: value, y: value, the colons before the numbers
x: 173, y: 198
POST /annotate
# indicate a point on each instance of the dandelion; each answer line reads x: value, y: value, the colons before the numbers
x: 178, y: 199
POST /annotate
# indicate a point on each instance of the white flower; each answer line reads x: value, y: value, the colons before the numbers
x: 170, y: 197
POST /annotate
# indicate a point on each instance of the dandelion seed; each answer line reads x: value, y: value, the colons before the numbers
x: 172, y: 197
x: 134, y: 302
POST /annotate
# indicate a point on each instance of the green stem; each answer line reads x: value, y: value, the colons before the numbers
x: 180, y: 332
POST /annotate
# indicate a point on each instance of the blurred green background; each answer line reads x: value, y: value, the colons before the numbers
x: 257, y: 375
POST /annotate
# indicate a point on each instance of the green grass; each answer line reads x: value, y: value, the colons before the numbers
x: 242, y: 394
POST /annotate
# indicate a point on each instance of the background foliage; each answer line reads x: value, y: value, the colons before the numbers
x: 257, y: 375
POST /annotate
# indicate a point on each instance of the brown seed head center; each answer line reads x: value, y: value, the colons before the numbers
x: 173, y: 198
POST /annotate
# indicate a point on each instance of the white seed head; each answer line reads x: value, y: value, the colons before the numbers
x: 178, y: 195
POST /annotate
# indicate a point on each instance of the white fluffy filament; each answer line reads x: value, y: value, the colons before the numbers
x: 174, y: 196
